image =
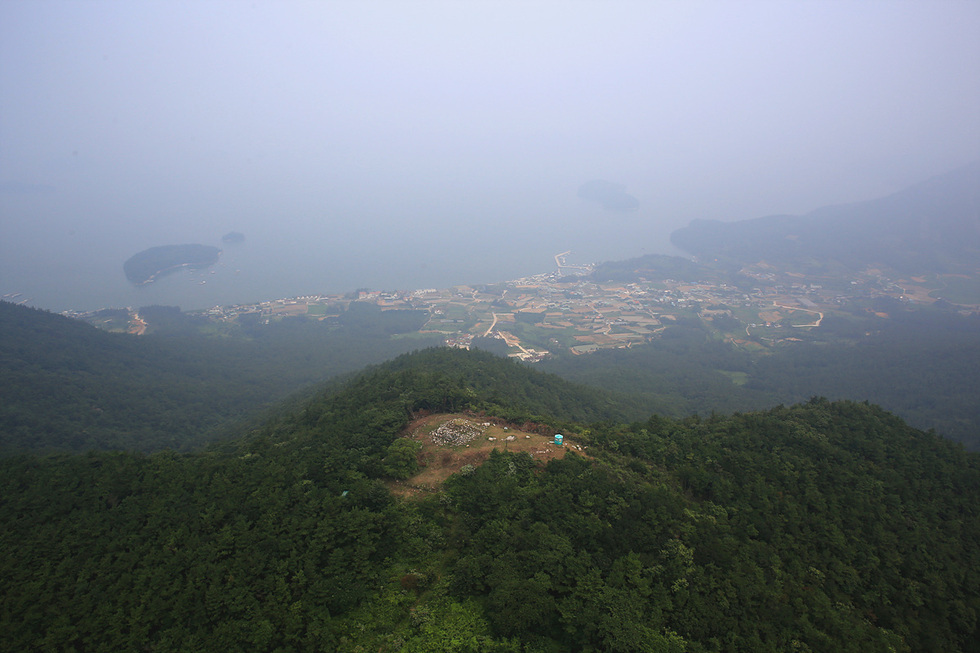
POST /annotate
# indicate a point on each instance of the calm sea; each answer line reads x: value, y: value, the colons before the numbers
x: 70, y: 258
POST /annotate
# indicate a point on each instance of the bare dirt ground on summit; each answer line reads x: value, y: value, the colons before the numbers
x: 451, y: 441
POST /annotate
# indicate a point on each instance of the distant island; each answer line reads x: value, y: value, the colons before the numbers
x: 612, y: 196
x: 233, y: 237
x: 148, y: 265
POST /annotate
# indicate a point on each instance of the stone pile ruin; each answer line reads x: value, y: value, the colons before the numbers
x: 457, y: 432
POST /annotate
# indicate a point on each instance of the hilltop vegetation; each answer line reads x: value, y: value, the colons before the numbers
x: 827, y: 526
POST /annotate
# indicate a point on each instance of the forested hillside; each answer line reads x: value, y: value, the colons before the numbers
x: 69, y: 386
x: 66, y: 385
x: 827, y: 526
x: 923, y: 365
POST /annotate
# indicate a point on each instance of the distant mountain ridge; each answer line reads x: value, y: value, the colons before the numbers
x: 932, y: 226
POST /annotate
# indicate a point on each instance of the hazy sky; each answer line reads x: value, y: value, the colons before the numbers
x: 357, y: 125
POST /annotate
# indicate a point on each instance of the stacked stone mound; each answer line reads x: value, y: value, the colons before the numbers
x: 457, y: 431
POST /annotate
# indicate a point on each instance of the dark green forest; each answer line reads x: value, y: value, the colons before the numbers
x: 67, y: 385
x: 824, y: 526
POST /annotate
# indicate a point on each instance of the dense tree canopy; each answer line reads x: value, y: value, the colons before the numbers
x: 68, y: 386
x: 825, y: 526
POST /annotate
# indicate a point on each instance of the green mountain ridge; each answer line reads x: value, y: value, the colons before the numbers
x: 825, y: 526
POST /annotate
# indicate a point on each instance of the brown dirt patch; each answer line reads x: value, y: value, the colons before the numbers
x: 451, y: 441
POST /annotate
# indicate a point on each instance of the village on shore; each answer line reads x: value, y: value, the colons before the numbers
x: 567, y: 310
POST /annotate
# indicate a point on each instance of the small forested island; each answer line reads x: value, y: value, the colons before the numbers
x: 233, y: 237
x: 145, y: 267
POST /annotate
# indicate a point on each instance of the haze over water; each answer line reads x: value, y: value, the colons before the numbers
x: 428, y: 144
x: 446, y: 240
